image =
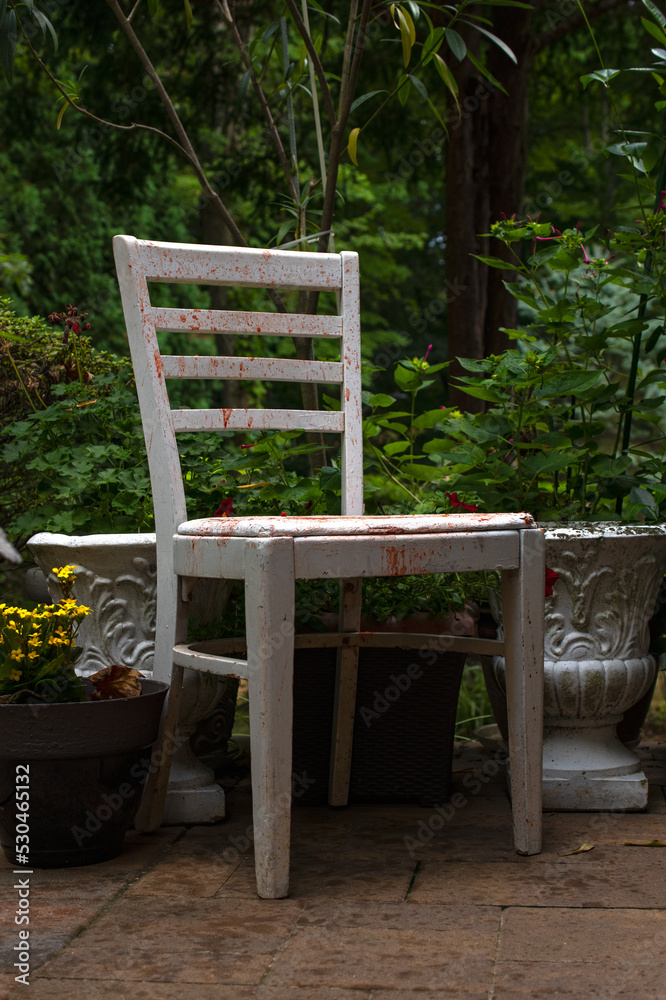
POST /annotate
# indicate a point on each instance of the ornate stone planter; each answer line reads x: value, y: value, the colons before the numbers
x: 117, y: 579
x: 597, y: 663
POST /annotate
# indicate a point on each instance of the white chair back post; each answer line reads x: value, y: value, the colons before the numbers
x: 140, y: 263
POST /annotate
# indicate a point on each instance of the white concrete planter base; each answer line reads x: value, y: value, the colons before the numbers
x: 117, y: 579
x: 597, y: 664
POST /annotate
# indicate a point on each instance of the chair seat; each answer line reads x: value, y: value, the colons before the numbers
x: 301, y: 527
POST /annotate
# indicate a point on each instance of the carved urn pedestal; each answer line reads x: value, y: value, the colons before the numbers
x: 597, y: 663
x: 116, y: 578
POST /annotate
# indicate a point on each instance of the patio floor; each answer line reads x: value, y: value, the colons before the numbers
x: 387, y: 902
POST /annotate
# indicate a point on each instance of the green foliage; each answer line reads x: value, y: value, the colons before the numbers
x: 551, y: 440
x: 474, y: 707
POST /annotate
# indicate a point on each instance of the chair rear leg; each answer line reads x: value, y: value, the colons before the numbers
x: 523, y: 615
x: 171, y: 627
x: 269, y: 619
x: 344, y: 709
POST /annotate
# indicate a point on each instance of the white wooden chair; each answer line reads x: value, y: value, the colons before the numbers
x: 269, y: 553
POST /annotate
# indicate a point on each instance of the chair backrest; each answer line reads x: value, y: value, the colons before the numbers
x: 141, y: 262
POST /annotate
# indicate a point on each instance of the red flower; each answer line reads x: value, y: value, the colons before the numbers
x: 458, y: 504
x: 226, y: 508
x: 551, y: 577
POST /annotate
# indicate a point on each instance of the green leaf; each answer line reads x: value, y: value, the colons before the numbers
x: 432, y: 44
x: 153, y: 7
x: 46, y: 25
x: 447, y: 77
x: 3, y: 11
x: 550, y: 461
x: 243, y: 84
x: 381, y: 399
x: 330, y: 479
x: 654, y: 30
x: 419, y: 87
x: 61, y: 113
x: 365, y: 97
x: 351, y: 146
x: 188, y: 13
x: 600, y: 76
x: 501, y: 265
x: 566, y: 383
x: 429, y: 419
x: 495, y: 40
x: 427, y: 473
x: 403, y: 20
x: 395, y: 447
x: 479, y: 393
x: 482, y: 68
x: 656, y: 13
x: 404, y: 88
x: 456, y: 44
x: 270, y: 31
x: 638, y: 495
x: 407, y: 380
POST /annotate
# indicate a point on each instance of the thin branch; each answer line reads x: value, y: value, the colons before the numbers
x: 356, y: 62
x: 144, y: 59
x: 261, y: 97
x: 348, y: 50
x: 130, y: 16
x: 314, y: 57
x: 103, y: 121
x: 573, y: 22
x: 348, y: 83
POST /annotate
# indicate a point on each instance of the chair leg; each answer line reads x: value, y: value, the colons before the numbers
x: 344, y: 709
x: 171, y: 627
x: 269, y: 620
x: 523, y: 614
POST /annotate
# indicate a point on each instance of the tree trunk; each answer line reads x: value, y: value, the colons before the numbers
x: 213, y: 231
x: 485, y: 177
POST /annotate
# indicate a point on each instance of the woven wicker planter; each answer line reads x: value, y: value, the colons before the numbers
x: 404, y: 724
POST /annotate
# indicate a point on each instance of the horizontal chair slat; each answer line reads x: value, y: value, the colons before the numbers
x: 197, y: 656
x: 246, y: 420
x: 369, y: 640
x: 203, y: 265
x: 276, y: 369
x: 231, y: 321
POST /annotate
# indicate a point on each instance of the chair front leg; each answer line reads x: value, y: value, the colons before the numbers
x: 523, y: 616
x: 269, y: 620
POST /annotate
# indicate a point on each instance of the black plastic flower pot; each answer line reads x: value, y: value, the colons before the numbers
x: 83, y: 765
x: 404, y: 726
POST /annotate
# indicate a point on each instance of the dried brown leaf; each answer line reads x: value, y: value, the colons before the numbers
x: 644, y: 843
x: 116, y: 682
x: 579, y: 850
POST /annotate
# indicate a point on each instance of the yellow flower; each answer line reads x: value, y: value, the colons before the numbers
x: 33, y: 656
x: 15, y: 675
x: 64, y: 573
x: 16, y: 654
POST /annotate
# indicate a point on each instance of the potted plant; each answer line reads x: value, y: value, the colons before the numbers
x: 573, y: 432
x: 73, y: 754
x: 75, y: 473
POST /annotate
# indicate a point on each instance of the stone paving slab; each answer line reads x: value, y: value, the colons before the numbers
x: 387, y: 903
x: 613, y: 883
